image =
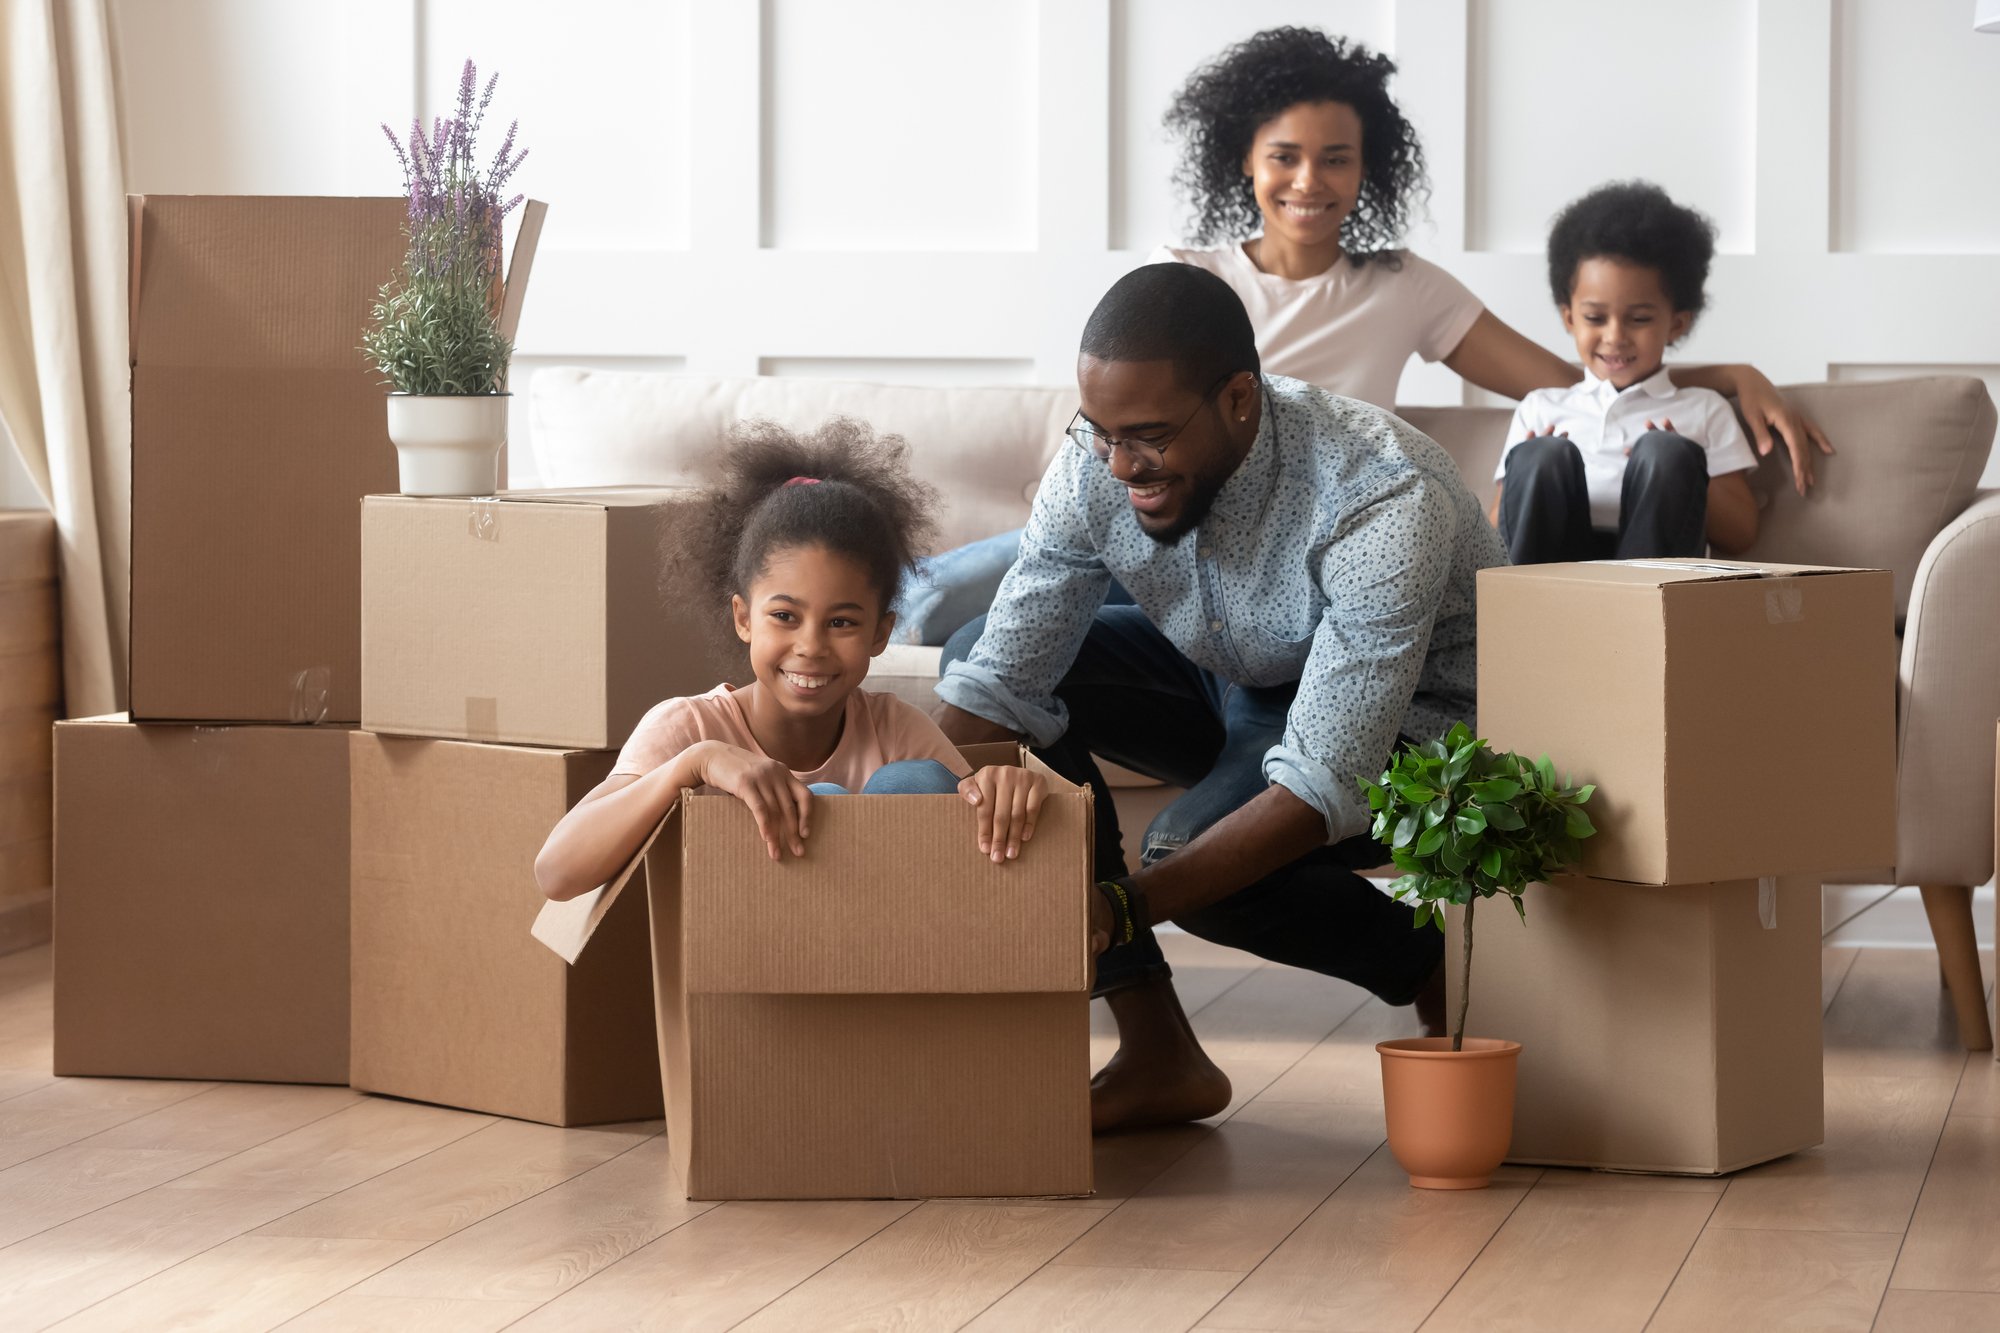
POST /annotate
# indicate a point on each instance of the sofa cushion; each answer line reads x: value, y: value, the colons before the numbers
x: 984, y: 448
x: 1908, y: 454
x: 1473, y: 436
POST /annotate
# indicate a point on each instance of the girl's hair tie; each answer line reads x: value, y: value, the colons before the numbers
x: 803, y: 481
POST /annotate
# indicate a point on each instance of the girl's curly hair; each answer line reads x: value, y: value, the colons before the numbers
x: 862, y: 503
x: 1223, y: 104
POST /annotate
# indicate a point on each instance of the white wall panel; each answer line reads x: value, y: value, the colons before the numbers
x: 937, y: 370
x: 1154, y: 47
x: 1989, y: 373
x: 1568, y: 94
x: 603, y: 106
x: 899, y: 124
x: 1916, y: 129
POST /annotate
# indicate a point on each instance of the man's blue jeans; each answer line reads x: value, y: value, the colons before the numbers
x: 1136, y: 700
x: 946, y: 592
x: 904, y: 777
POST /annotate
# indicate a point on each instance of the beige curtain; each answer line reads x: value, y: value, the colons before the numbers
x: 64, y: 385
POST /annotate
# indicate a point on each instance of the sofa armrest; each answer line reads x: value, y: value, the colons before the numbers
x: 1949, y: 698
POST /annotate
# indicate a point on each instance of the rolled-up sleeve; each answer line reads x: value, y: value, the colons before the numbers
x: 1384, y: 577
x: 1041, y: 614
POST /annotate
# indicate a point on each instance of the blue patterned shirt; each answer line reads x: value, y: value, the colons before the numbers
x: 1340, y: 554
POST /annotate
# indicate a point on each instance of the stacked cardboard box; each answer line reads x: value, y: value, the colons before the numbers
x: 1739, y: 722
x: 201, y: 851
x: 30, y: 697
x: 497, y: 686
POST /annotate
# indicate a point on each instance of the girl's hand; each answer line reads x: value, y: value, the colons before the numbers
x: 1008, y: 800
x: 779, y: 802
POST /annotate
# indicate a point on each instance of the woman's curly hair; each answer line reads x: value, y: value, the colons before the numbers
x: 861, y: 502
x: 1223, y: 104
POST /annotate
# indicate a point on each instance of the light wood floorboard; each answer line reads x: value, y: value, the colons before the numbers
x: 143, y: 1204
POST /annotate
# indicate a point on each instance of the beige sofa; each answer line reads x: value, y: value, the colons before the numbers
x: 1902, y: 494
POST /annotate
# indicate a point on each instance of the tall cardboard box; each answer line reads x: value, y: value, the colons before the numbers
x: 1671, y: 1029
x: 1739, y: 720
x: 257, y: 426
x: 454, y: 1001
x: 201, y: 901
x: 540, y: 617
x: 893, y: 1016
x: 30, y: 702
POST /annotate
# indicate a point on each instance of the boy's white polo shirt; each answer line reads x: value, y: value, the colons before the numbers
x: 1603, y: 423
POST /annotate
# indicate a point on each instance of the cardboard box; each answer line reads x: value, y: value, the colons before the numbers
x: 1738, y: 720
x: 454, y: 1002
x: 891, y: 1017
x: 541, y: 617
x: 257, y: 426
x: 1671, y: 1029
x: 201, y: 902
x: 30, y: 702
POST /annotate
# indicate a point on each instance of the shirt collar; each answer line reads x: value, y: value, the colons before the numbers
x: 1249, y: 486
x: 1659, y: 384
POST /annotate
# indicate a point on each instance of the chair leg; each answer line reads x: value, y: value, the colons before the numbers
x: 1949, y: 907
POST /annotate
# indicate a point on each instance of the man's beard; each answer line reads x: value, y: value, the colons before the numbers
x: 1201, y: 499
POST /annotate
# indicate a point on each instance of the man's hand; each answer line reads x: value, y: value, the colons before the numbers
x: 1100, y: 921
x: 1009, y: 801
x: 779, y: 802
x: 963, y: 728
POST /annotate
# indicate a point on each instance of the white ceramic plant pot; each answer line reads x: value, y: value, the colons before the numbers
x: 448, y: 444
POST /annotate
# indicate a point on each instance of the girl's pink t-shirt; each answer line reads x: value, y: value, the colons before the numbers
x: 878, y: 729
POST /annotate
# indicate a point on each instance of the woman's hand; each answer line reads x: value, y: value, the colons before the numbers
x: 1008, y: 800
x: 779, y: 802
x: 1767, y: 412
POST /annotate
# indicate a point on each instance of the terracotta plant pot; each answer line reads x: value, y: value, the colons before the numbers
x: 1451, y: 1113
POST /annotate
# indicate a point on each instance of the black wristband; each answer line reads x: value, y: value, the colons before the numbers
x: 1128, y: 909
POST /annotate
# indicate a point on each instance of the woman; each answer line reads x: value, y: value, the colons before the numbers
x: 1303, y: 175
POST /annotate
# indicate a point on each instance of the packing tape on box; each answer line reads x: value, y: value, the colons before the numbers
x: 1785, y: 602
x: 483, y: 521
x: 311, y: 690
x: 482, y: 717
x: 1767, y: 902
x: 208, y: 758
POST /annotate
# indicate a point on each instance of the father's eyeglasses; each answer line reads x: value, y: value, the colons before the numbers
x: 1148, y: 454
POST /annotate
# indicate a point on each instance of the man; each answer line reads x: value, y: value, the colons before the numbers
x: 1302, y: 567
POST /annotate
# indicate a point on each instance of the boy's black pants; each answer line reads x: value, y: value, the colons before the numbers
x: 1662, y: 509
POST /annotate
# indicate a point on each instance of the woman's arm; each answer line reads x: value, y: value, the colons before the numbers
x: 1496, y: 358
x: 1766, y: 410
x: 1732, y: 513
x: 594, y: 840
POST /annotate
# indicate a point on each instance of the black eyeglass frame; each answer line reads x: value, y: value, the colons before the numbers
x: 1149, y: 453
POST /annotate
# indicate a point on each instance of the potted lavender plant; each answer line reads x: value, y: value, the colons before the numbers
x: 436, y: 336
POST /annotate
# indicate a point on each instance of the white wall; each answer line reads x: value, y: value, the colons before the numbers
x: 938, y: 190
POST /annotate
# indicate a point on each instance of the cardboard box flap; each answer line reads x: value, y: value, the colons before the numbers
x: 931, y: 916
x: 567, y: 927
x: 1659, y: 573
x: 526, y: 238
x: 597, y: 497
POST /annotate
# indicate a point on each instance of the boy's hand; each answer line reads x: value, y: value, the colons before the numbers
x: 1666, y: 424
x: 779, y: 802
x: 1008, y: 800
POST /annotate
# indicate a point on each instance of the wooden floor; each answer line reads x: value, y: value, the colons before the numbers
x: 150, y: 1205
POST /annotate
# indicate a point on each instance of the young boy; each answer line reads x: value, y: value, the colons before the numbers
x: 1626, y: 463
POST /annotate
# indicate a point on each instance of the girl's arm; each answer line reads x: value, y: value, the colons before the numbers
x: 1496, y: 358
x: 1766, y: 410
x: 1732, y: 512
x: 597, y: 837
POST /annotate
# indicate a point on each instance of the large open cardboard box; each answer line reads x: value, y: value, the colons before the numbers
x: 1739, y: 720
x: 454, y: 1002
x: 30, y: 702
x: 1671, y: 1029
x: 892, y: 1016
x: 541, y: 617
x: 201, y: 901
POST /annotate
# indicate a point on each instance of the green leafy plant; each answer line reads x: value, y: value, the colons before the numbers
x: 1463, y: 822
x: 436, y: 325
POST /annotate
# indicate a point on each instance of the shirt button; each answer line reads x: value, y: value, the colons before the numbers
x: 1215, y: 626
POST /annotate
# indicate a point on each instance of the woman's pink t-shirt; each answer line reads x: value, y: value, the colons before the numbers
x: 877, y: 729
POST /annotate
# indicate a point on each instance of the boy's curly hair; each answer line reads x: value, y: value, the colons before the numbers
x: 1636, y: 223
x: 863, y: 504
x: 1223, y: 104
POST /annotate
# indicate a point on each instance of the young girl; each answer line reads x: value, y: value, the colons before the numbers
x: 809, y: 539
